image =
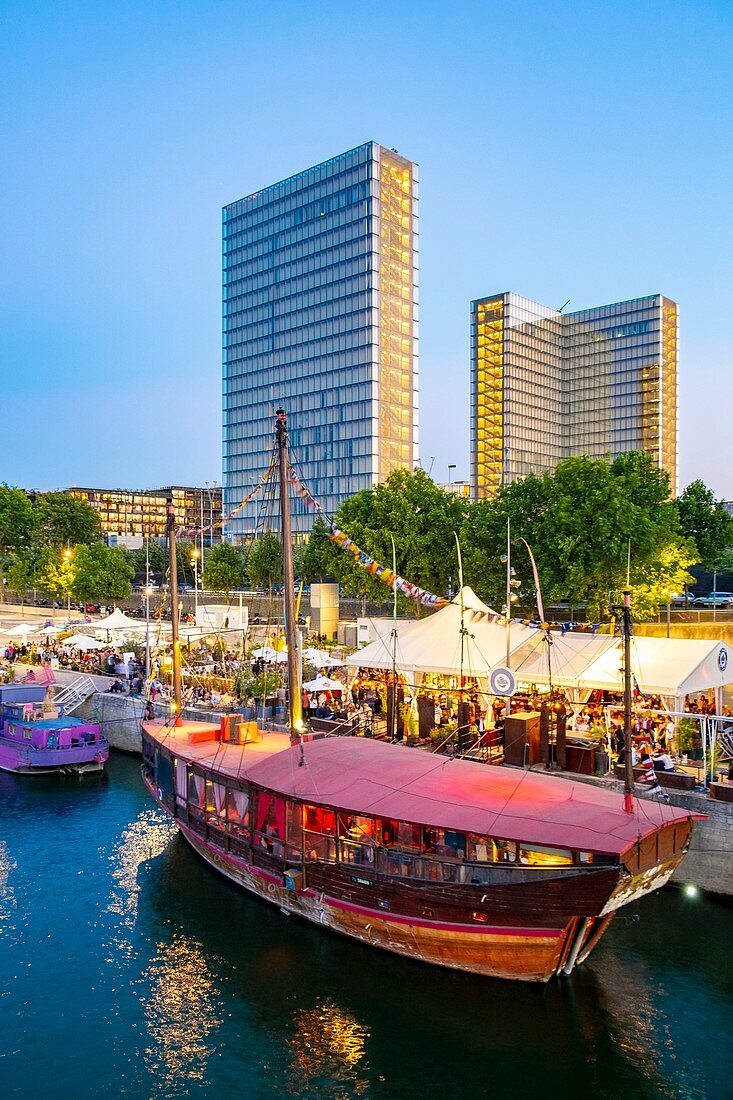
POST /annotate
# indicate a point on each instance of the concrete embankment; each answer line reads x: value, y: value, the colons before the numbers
x: 708, y: 864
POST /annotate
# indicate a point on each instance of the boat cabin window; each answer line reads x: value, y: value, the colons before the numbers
x: 400, y: 834
x: 445, y: 842
x: 539, y: 856
x: 196, y: 789
x: 237, y: 810
x: 270, y: 824
x: 480, y: 849
x: 506, y: 851
x: 319, y: 827
x: 356, y: 839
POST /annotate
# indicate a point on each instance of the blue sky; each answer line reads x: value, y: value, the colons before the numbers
x: 565, y: 151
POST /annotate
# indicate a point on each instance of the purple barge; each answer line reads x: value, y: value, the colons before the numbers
x: 35, y: 740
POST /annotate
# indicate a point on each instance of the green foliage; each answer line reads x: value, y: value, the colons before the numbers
x: 225, y: 569
x: 579, y: 521
x: 17, y: 520
x: 85, y: 573
x: 157, y: 557
x: 313, y: 557
x: 265, y: 560
x: 421, y: 518
x: 706, y: 522
x: 63, y: 521
x: 19, y: 575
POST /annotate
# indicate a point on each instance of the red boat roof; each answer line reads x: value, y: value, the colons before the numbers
x: 371, y: 778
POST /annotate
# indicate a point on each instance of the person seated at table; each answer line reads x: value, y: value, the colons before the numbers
x: 116, y: 688
x: 662, y: 760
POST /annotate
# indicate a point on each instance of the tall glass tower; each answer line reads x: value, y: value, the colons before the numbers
x: 546, y: 385
x: 320, y: 317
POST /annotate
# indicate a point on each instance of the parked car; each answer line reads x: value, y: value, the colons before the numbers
x: 716, y: 599
x: 684, y: 601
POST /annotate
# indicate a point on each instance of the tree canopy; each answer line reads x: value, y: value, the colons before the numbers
x: 63, y: 521
x: 421, y: 518
x: 265, y: 560
x: 706, y: 522
x: 224, y: 569
x: 580, y: 522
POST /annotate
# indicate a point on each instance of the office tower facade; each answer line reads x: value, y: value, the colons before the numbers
x: 129, y: 516
x: 546, y: 385
x: 320, y: 317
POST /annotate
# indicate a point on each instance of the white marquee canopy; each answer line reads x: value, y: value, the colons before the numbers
x: 579, y: 662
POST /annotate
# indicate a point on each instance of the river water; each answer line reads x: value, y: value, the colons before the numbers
x: 128, y: 968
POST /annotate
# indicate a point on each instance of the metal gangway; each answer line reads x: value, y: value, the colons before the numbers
x: 74, y: 694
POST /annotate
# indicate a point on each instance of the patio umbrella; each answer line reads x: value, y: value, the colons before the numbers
x: 324, y: 683
x: 117, y: 621
x: 21, y: 630
x: 48, y: 631
x: 83, y: 641
x: 320, y: 659
x: 264, y: 653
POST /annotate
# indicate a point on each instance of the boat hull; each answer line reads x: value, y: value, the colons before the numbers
x: 523, y: 953
x: 21, y: 760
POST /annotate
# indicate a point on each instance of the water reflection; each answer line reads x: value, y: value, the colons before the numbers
x: 181, y: 1011
x: 147, y: 837
x: 7, y: 896
x: 328, y: 1045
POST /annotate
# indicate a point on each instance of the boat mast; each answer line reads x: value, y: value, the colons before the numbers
x: 173, y: 566
x: 291, y: 631
x: 629, y: 767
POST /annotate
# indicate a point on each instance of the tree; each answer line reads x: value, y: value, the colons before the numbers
x: 706, y: 522
x: 56, y: 572
x: 100, y: 573
x: 313, y: 555
x: 224, y: 569
x: 19, y: 575
x: 580, y: 521
x: 63, y: 521
x: 421, y: 518
x: 17, y: 523
x: 265, y: 560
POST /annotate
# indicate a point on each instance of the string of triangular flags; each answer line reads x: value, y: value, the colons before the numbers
x: 373, y: 568
x: 230, y: 515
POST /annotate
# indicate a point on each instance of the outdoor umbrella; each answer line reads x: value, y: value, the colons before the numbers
x: 117, y: 621
x: 264, y: 653
x: 21, y: 630
x: 324, y: 683
x: 48, y: 631
x: 320, y: 659
x: 83, y: 641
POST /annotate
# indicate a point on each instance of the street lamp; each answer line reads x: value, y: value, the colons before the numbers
x: 67, y: 556
x: 195, y: 555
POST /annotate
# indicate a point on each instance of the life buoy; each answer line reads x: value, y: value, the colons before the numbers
x: 271, y: 888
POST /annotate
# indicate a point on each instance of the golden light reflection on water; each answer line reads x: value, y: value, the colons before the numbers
x: 329, y: 1043
x: 180, y: 1012
x: 7, y: 897
x: 146, y: 838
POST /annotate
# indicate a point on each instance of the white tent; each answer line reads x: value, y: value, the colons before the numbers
x: 22, y: 630
x: 117, y: 621
x: 83, y: 641
x: 465, y: 637
x: 671, y: 667
x: 265, y: 653
x: 47, y: 631
x: 320, y: 659
x: 324, y: 683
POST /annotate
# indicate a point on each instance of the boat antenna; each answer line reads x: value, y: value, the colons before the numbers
x: 291, y: 626
x: 629, y: 767
x: 173, y: 566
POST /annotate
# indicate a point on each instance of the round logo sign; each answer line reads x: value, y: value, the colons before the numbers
x: 723, y: 659
x: 502, y: 682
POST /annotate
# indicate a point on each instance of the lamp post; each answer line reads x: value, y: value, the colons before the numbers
x: 195, y: 554
x: 147, y: 591
x: 67, y: 555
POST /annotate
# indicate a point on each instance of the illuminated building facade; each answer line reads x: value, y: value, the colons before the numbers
x: 320, y: 317
x: 129, y: 516
x: 546, y: 385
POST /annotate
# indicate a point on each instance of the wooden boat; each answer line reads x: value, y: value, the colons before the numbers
x: 493, y: 870
x: 34, y: 741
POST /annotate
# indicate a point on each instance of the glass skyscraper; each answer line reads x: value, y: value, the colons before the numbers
x: 320, y: 317
x: 546, y: 385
